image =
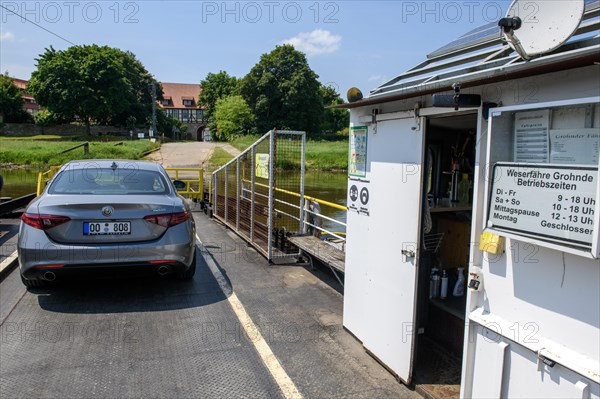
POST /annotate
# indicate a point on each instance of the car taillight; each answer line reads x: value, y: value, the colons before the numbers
x: 43, y: 222
x: 168, y: 219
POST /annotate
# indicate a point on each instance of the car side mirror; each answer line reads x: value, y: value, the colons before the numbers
x: 179, y: 184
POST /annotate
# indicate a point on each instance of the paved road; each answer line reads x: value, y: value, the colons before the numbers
x: 9, y: 229
x: 125, y: 338
x: 188, y: 154
x: 154, y: 337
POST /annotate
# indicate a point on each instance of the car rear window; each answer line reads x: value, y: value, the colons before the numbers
x: 108, y: 181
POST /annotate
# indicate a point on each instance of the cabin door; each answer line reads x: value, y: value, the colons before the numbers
x: 396, y: 151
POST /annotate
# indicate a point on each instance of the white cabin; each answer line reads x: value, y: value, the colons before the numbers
x: 525, y: 228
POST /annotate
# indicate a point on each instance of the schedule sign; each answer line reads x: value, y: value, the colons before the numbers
x: 552, y: 202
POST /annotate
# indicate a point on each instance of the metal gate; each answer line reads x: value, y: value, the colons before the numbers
x: 260, y: 193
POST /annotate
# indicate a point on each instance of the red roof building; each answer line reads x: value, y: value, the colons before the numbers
x: 180, y: 101
x: 30, y: 104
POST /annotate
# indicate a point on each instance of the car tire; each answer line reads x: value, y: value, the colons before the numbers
x: 32, y: 283
x: 189, y: 273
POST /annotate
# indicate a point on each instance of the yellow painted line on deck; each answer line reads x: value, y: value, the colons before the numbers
x: 8, y: 261
x: 287, y: 386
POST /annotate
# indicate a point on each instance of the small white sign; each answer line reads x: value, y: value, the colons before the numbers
x: 549, y: 202
x: 575, y: 146
x: 261, y: 166
x: 358, y: 196
x: 531, y: 136
x: 141, y: 135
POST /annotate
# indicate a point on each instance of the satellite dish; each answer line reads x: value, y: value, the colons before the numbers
x: 537, y: 27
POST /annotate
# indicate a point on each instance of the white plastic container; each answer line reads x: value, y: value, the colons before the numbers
x: 434, y: 283
x: 444, y: 289
x: 459, y: 287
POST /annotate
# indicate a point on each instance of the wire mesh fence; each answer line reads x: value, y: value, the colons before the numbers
x: 288, y: 196
x: 260, y: 193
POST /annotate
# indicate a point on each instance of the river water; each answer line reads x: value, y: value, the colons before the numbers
x: 19, y: 181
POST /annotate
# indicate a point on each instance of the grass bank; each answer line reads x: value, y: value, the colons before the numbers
x: 45, y: 150
x: 219, y: 158
x: 321, y: 155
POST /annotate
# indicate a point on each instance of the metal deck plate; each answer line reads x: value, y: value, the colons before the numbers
x: 129, y: 338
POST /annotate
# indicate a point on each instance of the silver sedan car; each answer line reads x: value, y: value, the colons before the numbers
x: 107, y: 216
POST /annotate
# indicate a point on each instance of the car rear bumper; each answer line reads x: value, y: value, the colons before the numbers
x: 38, y: 254
x: 75, y: 271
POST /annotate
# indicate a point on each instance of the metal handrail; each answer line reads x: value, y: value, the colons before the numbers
x: 44, y: 177
x: 189, y: 191
x: 308, y: 197
x: 331, y: 233
x: 85, y: 145
x: 236, y: 194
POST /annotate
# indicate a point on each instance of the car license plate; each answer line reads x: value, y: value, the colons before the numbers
x: 106, y: 228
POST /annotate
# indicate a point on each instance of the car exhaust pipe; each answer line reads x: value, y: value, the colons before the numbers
x: 163, y: 270
x: 49, y: 276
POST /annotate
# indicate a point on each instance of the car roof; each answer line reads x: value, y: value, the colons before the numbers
x: 108, y: 163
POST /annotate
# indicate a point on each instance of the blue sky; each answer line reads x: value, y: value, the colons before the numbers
x: 348, y: 43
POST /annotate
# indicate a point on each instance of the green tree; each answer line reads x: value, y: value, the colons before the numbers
x: 141, y: 83
x: 92, y: 83
x: 232, y: 116
x: 130, y: 122
x: 334, y: 119
x: 283, y: 92
x: 212, y: 88
x: 11, y: 102
x: 47, y: 118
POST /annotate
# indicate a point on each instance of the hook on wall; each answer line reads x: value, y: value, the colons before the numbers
x: 416, y: 111
x: 374, y: 113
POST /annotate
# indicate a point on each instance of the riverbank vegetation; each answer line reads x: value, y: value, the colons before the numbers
x: 280, y: 91
x: 46, y: 150
x: 219, y: 158
x: 321, y: 155
x: 101, y: 85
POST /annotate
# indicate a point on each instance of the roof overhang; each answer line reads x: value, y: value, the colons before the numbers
x: 548, y: 64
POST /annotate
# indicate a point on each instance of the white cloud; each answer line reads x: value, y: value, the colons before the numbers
x: 6, y: 36
x: 317, y: 42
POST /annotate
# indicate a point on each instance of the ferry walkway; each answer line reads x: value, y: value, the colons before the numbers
x: 241, y: 328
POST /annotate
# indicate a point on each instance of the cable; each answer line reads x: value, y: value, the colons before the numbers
x: 39, y: 26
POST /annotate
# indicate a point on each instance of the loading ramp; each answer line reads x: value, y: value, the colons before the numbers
x: 324, y: 252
